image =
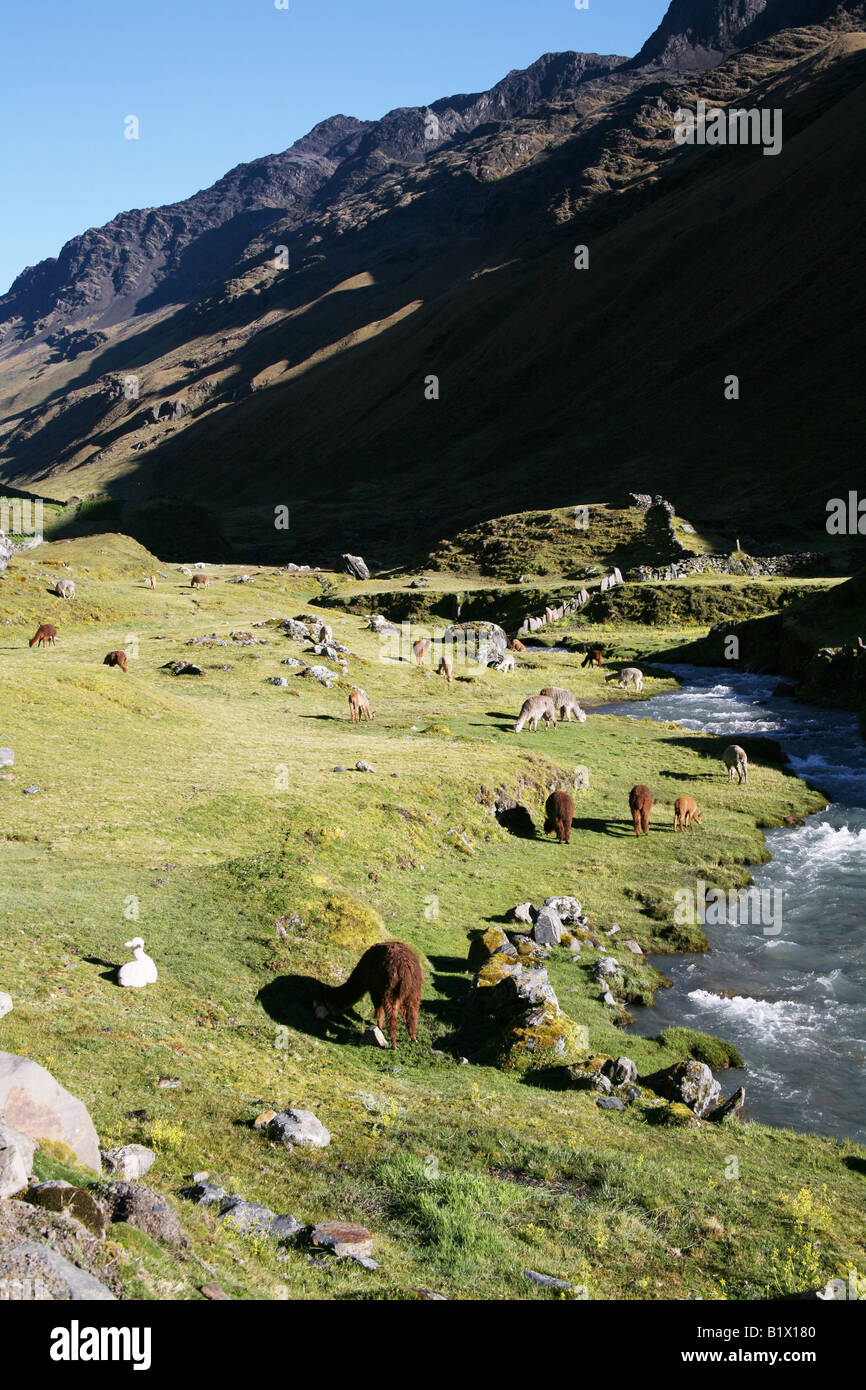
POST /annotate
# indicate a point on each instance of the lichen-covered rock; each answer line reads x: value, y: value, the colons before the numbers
x: 687, y: 1083
x: 489, y: 943
x: 505, y: 984
x: 543, y: 1037
x: 76, y: 1202
x: 343, y: 1239
x: 674, y: 1115
x: 524, y: 912
x: 147, y: 1210
x: 567, y: 909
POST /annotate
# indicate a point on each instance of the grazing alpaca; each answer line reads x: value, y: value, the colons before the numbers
x: 686, y: 813
x: 200, y: 581
x: 359, y: 705
x: 150, y: 581
x: 65, y: 588
x: 558, y: 815
x: 46, y: 632
x: 390, y: 972
x: 135, y: 974
x: 735, y: 760
x: 593, y: 656
x: 564, y: 703
x: 446, y: 668
x: 116, y: 659
x: 506, y: 664
x: 640, y: 801
x: 535, y: 708
x: 630, y: 675
x: 420, y: 649
x: 516, y: 645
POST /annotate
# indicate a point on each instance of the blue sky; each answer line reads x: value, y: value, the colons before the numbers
x: 217, y: 82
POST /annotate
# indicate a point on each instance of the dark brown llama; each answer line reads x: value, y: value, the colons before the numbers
x: 559, y: 813
x: 640, y: 801
x: 46, y: 632
x: 390, y: 972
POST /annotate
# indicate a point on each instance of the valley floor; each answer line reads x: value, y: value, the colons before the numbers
x: 207, y: 815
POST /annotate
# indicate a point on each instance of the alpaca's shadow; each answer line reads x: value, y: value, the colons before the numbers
x: 498, y: 714
x: 603, y: 825
x: 109, y: 971
x: 690, y: 776
x: 290, y: 1001
x: 858, y: 1165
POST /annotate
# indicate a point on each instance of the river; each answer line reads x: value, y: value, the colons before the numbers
x: 794, y: 1004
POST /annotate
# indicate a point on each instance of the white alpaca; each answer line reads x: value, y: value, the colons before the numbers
x: 506, y: 664
x: 735, y: 760
x: 135, y: 974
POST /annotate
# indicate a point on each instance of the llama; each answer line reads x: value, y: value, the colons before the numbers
x: 735, y: 760
x: 630, y: 675
x: 564, y: 703
x: 640, y: 801
x: 593, y: 657
x: 535, y: 708
x: 420, y: 649
x: 200, y: 581
x: 446, y: 668
x: 65, y: 588
x: 390, y: 972
x: 116, y: 659
x: 558, y: 815
x: 135, y: 974
x: 686, y: 813
x: 150, y: 582
x: 516, y: 645
x: 359, y: 705
x: 506, y: 664
x: 46, y: 632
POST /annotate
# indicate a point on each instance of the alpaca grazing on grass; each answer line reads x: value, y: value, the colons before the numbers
x: 420, y: 649
x: 446, y: 668
x: 65, y: 588
x: 593, y: 657
x: 116, y: 659
x: 631, y: 675
x: 46, y: 632
x: 390, y: 972
x: 564, y: 703
x: 640, y: 802
x: 141, y: 971
x: 506, y: 664
x: 359, y: 705
x: 686, y: 813
x: 558, y: 814
x: 535, y: 708
x: 735, y: 760
x: 516, y: 645
x: 200, y: 581
x: 150, y: 581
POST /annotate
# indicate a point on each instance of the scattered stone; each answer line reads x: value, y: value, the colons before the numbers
x: 31, y: 791
x: 566, y: 909
x: 168, y: 1083
x: 612, y: 931
x: 607, y: 967
x: 215, y: 1293
x: 430, y: 1296
x: 688, y: 1083
x: 524, y: 912
x: 301, y: 1127
x: 607, y: 998
x: 130, y: 1161
x: 147, y: 1210
x: 610, y: 1103
x: 731, y: 1106
x: 365, y: 1262
x: 339, y: 768
x: 548, y: 927
x: 263, y: 1120
x: 356, y: 566
x: 33, y: 1103
x: 364, y: 767
x: 344, y: 1239
x: 203, y: 1192
x: 278, y: 680
x: 633, y: 946
x: 623, y: 1070
x: 546, y: 1282
x: 374, y: 1037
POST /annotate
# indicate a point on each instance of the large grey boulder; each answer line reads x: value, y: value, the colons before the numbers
x: 356, y: 566
x: 690, y: 1082
x: 32, y: 1102
x: 40, y: 1272
x: 566, y: 909
x: 295, y: 1126
x: 480, y: 642
x: 548, y: 927
x: 147, y: 1210
x: 503, y: 984
x: 16, y: 1161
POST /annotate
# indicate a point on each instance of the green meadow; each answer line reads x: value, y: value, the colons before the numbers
x: 205, y: 815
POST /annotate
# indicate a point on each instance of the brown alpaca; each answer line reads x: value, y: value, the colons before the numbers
x: 446, y: 668
x: 116, y: 659
x: 517, y: 645
x: 390, y: 972
x: 686, y: 813
x: 559, y: 813
x: 150, y: 581
x: 200, y: 581
x: 594, y: 655
x: 421, y: 648
x: 640, y: 800
x: 359, y: 705
x: 46, y: 632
